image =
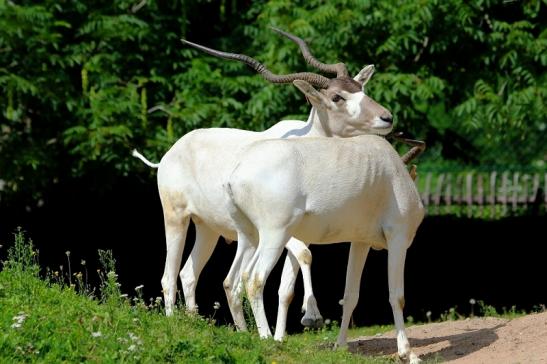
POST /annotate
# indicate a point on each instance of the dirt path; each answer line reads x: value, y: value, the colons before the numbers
x: 471, y: 341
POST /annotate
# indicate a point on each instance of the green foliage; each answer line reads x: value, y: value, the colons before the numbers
x: 468, y: 77
x: 82, y: 83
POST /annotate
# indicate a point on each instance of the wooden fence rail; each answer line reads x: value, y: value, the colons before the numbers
x: 488, y: 194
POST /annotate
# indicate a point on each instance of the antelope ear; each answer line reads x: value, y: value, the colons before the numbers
x: 316, y: 98
x: 365, y: 74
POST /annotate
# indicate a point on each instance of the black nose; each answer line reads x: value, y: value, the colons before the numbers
x: 387, y: 118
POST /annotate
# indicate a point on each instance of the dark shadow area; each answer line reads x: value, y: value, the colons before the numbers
x: 451, y: 259
x: 460, y: 345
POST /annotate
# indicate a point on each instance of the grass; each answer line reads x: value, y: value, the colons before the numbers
x: 57, y: 318
x: 50, y: 319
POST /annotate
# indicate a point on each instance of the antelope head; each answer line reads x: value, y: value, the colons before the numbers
x: 343, y: 107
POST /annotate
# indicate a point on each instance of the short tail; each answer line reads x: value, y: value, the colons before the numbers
x: 143, y: 158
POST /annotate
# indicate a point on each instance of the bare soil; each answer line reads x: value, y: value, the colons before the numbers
x: 473, y: 341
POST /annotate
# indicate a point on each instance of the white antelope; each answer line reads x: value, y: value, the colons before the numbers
x: 191, y: 175
x: 322, y: 191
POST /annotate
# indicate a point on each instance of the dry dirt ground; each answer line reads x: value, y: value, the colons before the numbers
x: 474, y: 341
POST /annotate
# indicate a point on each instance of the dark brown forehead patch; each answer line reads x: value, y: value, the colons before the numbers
x: 345, y: 84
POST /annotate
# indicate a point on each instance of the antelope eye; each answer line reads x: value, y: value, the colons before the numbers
x: 337, y: 98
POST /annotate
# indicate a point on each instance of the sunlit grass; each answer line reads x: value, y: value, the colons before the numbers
x: 57, y: 319
x: 47, y: 319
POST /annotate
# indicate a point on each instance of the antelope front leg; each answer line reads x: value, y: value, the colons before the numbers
x: 233, y: 284
x: 286, y: 294
x: 396, y: 267
x: 357, y: 257
x: 269, y: 249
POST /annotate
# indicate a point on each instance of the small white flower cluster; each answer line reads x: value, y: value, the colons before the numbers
x: 96, y: 334
x: 27, y: 349
x: 134, y: 340
x: 138, y: 288
x: 216, y: 305
x: 19, y: 319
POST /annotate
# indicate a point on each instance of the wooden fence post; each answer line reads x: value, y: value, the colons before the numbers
x: 469, y: 193
x: 480, y: 193
x: 425, y: 196
x: 504, y: 193
x: 448, y: 193
x: 492, y: 199
x: 514, y: 196
x: 437, y: 195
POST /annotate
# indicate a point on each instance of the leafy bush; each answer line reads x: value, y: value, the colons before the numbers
x: 83, y: 83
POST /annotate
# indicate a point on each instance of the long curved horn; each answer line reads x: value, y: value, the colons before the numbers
x: 418, y: 147
x: 312, y: 78
x: 338, y: 68
x: 413, y: 153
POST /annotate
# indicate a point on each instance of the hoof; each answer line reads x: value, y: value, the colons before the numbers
x: 411, y: 358
x: 314, y: 323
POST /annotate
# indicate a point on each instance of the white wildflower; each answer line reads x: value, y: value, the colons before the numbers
x: 19, y: 319
x: 472, y: 301
x: 133, y: 337
x: 96, y: 334
x: 132, y: 347
x: 67, y: 253
x: 341, y: 302
x: 21, y: 316
x: 216, y: 305
x: 327, y: 322
x: 138, y: 288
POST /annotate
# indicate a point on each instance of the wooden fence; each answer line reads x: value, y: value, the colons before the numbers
x: 484, y: 194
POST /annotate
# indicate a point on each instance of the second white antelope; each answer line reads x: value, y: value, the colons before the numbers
x: 321, y: 191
